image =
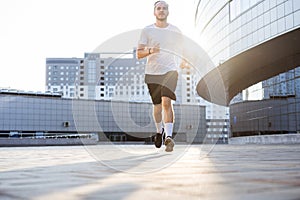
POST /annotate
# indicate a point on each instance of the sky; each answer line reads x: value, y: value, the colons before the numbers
x: 34, y: 30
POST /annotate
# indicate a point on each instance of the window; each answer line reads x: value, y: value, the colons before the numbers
x: 238, y: 7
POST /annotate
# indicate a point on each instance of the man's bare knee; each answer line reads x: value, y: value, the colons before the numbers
x: 166, y: 102
x: 157, y: 108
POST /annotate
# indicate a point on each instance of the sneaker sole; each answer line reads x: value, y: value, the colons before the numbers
x: 169, y: 145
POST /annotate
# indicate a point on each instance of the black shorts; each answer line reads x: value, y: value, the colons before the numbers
x: 162, y: 85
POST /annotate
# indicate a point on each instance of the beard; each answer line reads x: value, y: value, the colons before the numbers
x: 163, y: 18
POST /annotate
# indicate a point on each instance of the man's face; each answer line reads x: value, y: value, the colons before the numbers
x: 161, y: 11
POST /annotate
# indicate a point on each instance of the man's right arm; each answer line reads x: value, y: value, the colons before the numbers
x: 143, y: 51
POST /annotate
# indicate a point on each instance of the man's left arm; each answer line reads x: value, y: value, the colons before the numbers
x: 185, y: 64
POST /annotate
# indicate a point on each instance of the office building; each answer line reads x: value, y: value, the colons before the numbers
x: 26, y: 115
x: 109, y: 76
x: 254, y: 46
x: 62, y: 75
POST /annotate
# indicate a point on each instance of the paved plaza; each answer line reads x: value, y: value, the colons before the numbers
x: 143, y: 172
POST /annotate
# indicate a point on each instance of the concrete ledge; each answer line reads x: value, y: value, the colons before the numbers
x: 266, y: 139
x: 13, y: 142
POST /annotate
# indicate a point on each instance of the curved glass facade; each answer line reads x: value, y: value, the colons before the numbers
x: 228, y: 28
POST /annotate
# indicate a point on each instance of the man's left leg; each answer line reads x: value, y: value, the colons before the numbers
x: 168, y: 122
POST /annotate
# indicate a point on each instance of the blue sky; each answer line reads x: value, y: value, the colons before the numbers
x: 33, y: 30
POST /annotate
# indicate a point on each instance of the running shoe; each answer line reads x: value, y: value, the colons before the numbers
x: 158, y: 139
x: 169, y: 143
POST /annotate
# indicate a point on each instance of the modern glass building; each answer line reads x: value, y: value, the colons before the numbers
x: 254, y: 45
x: 36, y: 114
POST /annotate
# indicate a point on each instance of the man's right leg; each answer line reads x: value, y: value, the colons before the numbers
x: 155, y: 93
x: 157, y: 116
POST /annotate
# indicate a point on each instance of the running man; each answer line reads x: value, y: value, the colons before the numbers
x: 161, y: 43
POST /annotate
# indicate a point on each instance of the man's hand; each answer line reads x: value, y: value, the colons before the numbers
x: 185, y: 65
x: 143, y: 51
x: 155, y: 49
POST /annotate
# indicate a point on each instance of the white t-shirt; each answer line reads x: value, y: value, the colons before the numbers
x: 170, y: 40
